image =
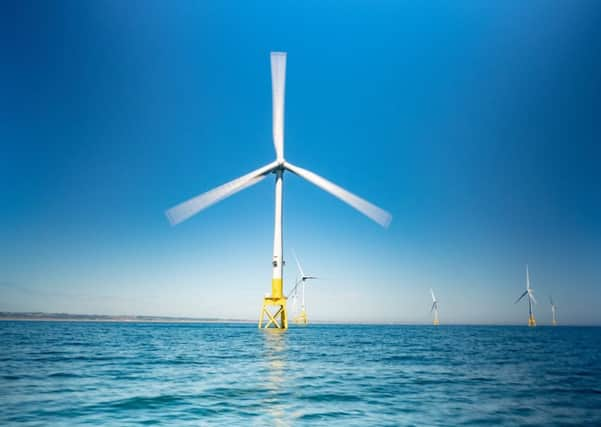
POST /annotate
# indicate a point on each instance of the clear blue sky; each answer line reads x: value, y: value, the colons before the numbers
x: 476, y: 124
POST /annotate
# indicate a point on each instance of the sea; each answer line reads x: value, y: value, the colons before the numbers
x: 233, y: 374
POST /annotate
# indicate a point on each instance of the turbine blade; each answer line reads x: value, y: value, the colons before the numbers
x: 366, y: 208
x: 432, y: 293
x: 521, y: 296
x: 293, y: 292
x: 294, y: 297
x: 278, y: 90
x: 531, y: 295
x: 433, y: 307
x: 194, y: 205
x: 298, y: 264
x: 527, y: 278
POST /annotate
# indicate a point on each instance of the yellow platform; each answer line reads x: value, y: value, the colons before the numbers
x: 273, y: 313
x: 301, y: 319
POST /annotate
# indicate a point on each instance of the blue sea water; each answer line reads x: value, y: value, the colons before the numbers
x: 68, y: 373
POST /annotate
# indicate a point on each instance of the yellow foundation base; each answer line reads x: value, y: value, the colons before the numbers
x: 301, y: 319
x: 531, y: 321
x: 273, y: 313
x: 435, y: 322
x: 555, y: 323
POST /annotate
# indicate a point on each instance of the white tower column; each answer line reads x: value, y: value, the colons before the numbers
x: 278, y: 263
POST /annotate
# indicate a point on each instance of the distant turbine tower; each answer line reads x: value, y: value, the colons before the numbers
x: 302, y: 317
x: 434, y: 308
x: 530, y: 292
x: 554, y: 311
x: 192, y: 206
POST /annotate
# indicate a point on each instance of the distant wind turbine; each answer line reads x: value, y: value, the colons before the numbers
x: 276, y: 301
x: 530, y: 292
x: 300, y: 282
x: 553, y: 310
x: 434, y: 308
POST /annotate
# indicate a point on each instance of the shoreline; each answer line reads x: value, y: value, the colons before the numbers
x: 65, y: 319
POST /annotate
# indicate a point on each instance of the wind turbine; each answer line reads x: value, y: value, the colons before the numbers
x: 185, y: 210
x: 434, y: 308
x: 553, y: 310
x: 302, y: 317
x: 530, y: 292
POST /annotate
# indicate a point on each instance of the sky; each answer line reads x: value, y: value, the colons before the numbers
x: 475, y: 124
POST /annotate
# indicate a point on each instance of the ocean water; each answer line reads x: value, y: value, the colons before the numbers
x: 67, y: 373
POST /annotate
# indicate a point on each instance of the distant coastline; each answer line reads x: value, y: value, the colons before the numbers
x: 67, y: 317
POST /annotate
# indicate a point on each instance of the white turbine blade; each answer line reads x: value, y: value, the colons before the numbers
x: 278, y: 89
x: 293, y: 296
x: 433, y: 306
x: 432, y: 293
x: 531, y: 295
x: 527, y: 278
x: 372, y: 211
x: 298, y: 263
x: 190, y: 207
x: 293, y: 292
x: 521, y: 296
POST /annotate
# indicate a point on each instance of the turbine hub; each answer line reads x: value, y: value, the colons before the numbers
x: 280, y: 165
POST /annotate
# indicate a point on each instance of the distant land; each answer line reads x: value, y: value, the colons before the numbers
x: 106, y: 318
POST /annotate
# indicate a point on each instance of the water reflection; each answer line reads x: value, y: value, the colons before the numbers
x: 275, y: 358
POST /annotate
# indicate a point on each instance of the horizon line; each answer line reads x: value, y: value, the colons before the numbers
x: 136, y: 318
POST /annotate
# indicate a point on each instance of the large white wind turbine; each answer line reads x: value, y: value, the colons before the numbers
x: 553, y: 310
x: 300, y: 282
x: 191, y: 207
x: 434, y: 308
x: 530, y: 292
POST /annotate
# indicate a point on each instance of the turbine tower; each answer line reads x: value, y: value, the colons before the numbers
x: 434, y: 308
x: 302, y: 317
x: 273, y: 312
x: 530, y: 292
x: 554, y: 311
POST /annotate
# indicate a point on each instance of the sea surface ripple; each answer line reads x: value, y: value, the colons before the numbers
x: 71, y: 373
